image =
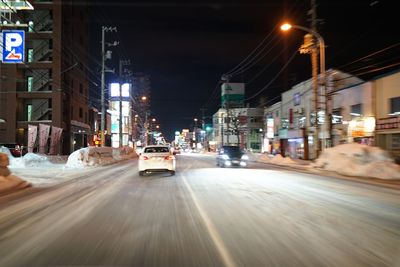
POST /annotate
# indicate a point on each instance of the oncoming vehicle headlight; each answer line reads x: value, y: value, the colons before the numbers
x: 225, y: 156
x: 245, y: 157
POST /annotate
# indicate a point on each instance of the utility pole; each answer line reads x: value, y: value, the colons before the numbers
x: 314, y: 63
x: 104, y: 55
x: 226, y: 106
x: 203, y: 128
x: 310, y: 47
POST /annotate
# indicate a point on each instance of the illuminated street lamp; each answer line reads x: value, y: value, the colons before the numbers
x: 158, y: 127
x: 153, y: 120
x: 143, y: 98
x: 286, y: 27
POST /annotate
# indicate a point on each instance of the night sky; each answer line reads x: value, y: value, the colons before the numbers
x: 185, y: 46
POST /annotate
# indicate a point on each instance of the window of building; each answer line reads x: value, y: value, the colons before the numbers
x: 72, y: 113
x: 297, y: 99
x: 337, y: 116
x: 80, y: 88
x: 29, y: 112
x: 80, y: 113
x: 86, y: 117
x: 356, y: 111
x: 29, y: 83
x: 30, y: 26
x: 30, y: 55
x: 285, y: 123
x: 50, y: 43
x: 395, y: 106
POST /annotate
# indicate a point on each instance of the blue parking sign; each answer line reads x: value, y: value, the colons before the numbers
x: 13, y: 50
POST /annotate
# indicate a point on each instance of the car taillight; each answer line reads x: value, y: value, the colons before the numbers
x: 169, y: 157
x: 145, y: 158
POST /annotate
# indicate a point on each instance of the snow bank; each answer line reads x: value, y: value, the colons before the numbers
x: 95, y: 156
x: 277, y: 159
x: 358, y: 160
x: 30, y: 160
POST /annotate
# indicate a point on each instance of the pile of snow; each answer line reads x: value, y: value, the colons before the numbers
x: 8, y: 181
x: 277, y: 159
x: 30, y: 160
x: 358, y: 160
x: 6, y: 151
x: 95, y: 156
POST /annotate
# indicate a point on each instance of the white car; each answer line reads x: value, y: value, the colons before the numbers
x: 156, y: 158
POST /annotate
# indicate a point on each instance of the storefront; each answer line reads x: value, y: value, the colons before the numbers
x: 388, y: 135
x: 294, y: 143
x: 361, y: 130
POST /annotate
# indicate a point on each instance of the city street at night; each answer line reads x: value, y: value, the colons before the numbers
x: 261, y: 215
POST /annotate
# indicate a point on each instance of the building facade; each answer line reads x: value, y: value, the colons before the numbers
x: 239, y: 126
x: 305, y: 128
x: 353, y: 116
x: 51, y: 87
x: 387, y: 106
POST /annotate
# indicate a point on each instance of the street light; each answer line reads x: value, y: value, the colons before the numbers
x: 287, y: 26
x: 143, y: 98
x: 321, y: 44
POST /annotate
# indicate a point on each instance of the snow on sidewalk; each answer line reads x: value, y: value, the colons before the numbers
x: 347, y: 159
x: 358, y: 160
x: 45, y: 170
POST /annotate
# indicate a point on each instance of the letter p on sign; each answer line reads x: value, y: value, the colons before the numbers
x: 13, y: 40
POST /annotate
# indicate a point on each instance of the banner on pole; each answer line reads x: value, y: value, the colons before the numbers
x: 55, y: 139
x: 44, y: 131
x: 32, y: 135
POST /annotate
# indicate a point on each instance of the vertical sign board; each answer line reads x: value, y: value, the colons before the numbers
x: 13, y: 50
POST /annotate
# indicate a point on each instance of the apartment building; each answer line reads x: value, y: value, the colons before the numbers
x: 51, y: 87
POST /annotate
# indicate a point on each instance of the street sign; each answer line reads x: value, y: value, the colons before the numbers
x: 13, y: 50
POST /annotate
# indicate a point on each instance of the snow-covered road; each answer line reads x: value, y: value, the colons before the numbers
x: 203, y: 216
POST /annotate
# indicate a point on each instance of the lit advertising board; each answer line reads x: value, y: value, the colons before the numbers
x: 232, y: 94
x: 116, y: 89
x: 270, y: 128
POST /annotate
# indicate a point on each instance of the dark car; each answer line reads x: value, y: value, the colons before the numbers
x: 231, y: 156
x: 15, y: 149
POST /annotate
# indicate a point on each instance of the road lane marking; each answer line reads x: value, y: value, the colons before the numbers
x: 212, y: 231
